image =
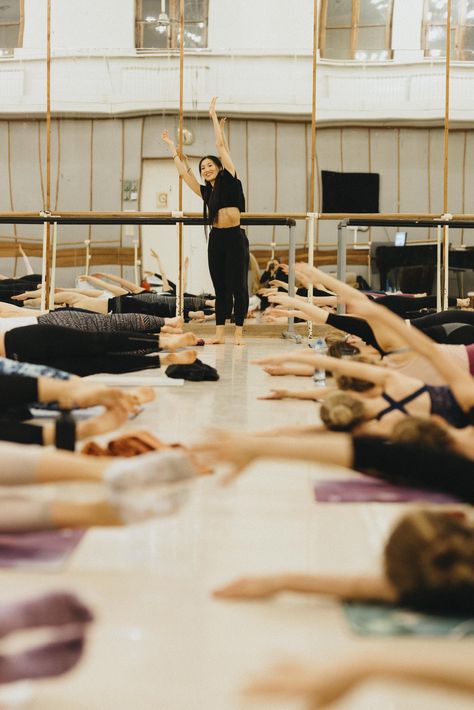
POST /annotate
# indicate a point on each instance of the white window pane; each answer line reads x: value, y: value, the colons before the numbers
x: 10, y: 10
x: 155, y: 36
x: 436, y: 41
x: 151, y: 9
x: 373, y: 12
x: 339, y: 13
x: 437, y: 10
x: 338, y: 44
x: 470, y: 12
x: 468, y: 53
x: 371, y: 38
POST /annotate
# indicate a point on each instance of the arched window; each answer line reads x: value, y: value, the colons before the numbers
x: 11, y: 25
x: 462, y: 29
x: 157, y: 24
x: 356, y: 29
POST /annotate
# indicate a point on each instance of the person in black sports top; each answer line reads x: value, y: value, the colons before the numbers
x: 228, y: 249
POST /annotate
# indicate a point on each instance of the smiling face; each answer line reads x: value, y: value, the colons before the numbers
x: 209, y: 169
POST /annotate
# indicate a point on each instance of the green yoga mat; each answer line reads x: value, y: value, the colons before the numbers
x: 388, y: 620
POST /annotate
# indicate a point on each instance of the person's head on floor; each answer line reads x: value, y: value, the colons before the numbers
x: 350, y: 345
x: 342, y: 412
x: 426, y: 432
x: 429, y: 560
x: 356, y: 384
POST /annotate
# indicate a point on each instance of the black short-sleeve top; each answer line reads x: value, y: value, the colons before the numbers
x: 227, y: 192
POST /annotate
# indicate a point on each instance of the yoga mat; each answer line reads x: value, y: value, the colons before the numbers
x: 135, y: 380
x: 48, y: 549
x: 369, y: 490
x: 388, y: 620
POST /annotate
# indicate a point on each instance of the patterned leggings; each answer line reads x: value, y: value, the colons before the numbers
x: 98, y: 323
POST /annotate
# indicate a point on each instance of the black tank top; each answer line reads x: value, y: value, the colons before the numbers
x: 227, y: 192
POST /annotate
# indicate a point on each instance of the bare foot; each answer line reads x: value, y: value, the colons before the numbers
x: 176, y: 322
x: 185, y: 358
x: 169, y: 329
x: 173, y: 342
x: 239, y: 340
x: 215, y: 341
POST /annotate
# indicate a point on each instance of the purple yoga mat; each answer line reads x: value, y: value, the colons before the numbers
x: 47, y: 549
x: 369, y: 490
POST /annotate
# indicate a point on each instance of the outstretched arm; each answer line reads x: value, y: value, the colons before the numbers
x: 164, y: 279
x: 321, y: 686
x: 372, y: 373
x: 360, y: 587
x: 385, y: 337
x: 221, y: 144
x: 460, y: 380
x: 104, y: 286
x: 188, y: 177
x: 125, y: 283
x: 317, y: 315
x: 26, y: 261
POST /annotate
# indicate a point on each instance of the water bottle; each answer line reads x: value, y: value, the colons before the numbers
x: 320, y: 347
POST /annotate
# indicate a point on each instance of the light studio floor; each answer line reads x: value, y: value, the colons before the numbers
x: 160, y: 641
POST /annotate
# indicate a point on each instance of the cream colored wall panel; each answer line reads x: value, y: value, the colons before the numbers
x: 25, y: 171
x: 414, y: 171
x: 329, y: 158
x: 292, y: 178
x: 355, y: 150
x: 107, y: 174
x: 437, y: 170
x: 261, y: 171
x: 469, y: 186
x: 5, y: 206
x: 132, y: 137
x: 74, y: 186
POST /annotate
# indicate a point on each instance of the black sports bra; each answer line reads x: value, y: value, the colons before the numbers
x: 399, y: 405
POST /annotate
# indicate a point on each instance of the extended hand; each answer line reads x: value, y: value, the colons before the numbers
x: 212, y: 106
x: 249, y: 588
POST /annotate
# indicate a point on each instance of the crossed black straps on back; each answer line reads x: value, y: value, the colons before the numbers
x: 399, y: 405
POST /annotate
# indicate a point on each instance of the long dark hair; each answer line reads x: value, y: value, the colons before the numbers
x: 209, y: 213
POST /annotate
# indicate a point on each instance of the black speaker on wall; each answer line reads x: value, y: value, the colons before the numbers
x: 350, y: 192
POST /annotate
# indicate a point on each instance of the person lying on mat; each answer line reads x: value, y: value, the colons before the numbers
x: 134, y: 489
x: 428, y: 564
x: 18, y: 390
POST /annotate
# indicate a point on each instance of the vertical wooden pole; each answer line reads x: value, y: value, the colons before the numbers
x: 313, y: 111
x: 446, y: 159
x: 47, y: 261
x: 310, y: 223
x: 180, y: 294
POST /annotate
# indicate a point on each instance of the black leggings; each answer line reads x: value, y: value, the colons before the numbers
x: 154, y: 304
x: 402, y: 305
x: 228, y: 257
x: 78, y: 352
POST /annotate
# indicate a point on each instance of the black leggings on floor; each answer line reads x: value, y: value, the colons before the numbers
x: 78, y: 352
x: 402, y: 305
x: 228, y: 257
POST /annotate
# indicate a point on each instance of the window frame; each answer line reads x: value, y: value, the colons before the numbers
x: 354, y: 28
x: 173, y: 45
x: 459, y: 26
x: 20, y: 24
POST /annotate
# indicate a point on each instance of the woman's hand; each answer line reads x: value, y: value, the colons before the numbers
x: 319, y: 686
x: 249, y: 588
x: 279, y: 284
x: 284, y: 300
x: 212, y: 107
x: 166, y: 138
x: 275, y: 394
x: 236, y: 450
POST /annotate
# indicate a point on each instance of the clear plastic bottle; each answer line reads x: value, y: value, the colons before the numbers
x: 319, y: 376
